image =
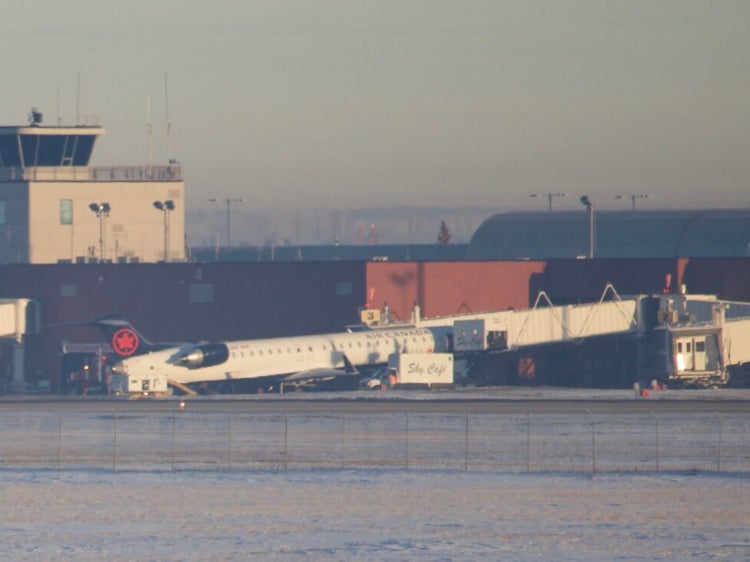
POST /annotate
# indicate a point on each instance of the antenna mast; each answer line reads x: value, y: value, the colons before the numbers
x: 167, y: 125
x: 78, y: 98
x: 59, y: 119
x: 148, y: 132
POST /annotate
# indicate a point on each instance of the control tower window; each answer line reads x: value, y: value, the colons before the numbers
x: 9, y: 151
x: 56, y: 150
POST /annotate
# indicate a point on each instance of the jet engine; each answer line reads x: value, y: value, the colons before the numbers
x: 204, y: 355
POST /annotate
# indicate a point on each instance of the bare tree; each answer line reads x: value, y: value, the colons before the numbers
x: 444, y: 235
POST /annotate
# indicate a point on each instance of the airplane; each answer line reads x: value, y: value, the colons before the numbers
x: 287, y: 360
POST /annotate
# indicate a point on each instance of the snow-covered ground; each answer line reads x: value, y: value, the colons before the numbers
x: 389, y: 515
x: 584, y: 487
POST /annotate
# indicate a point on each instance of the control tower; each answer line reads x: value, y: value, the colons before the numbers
x: 56, y: 208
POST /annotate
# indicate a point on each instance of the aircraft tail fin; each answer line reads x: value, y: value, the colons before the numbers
x: 126, y: 341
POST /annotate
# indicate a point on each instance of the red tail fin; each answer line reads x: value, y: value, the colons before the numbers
x: 126, y: 341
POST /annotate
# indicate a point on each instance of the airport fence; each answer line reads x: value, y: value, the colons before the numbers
x: 514, y: 443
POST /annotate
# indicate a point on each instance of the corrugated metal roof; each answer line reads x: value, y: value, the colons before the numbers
x: 618, y: 234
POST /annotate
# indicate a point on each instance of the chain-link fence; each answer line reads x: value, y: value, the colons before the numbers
x: 519, y: 442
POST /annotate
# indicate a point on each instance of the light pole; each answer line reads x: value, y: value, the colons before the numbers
x: 633, y: 197
x: 229, y: 202
x: 102, y: 212
x: 549, y: 197
x: 166, y: 207
x: 590, y: 210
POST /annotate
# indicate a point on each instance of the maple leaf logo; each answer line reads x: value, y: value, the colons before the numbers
x: 125, y: 341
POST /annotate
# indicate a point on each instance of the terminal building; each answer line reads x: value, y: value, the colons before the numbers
x: 57, y: 208
x: 78, y: 241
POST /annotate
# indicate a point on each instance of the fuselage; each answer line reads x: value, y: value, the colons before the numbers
x: 247, y: 359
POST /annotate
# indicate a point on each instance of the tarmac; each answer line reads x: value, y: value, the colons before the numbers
x: 492, y: 400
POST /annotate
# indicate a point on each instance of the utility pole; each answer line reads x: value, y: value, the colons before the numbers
x: 549, y: 197
x: 633, y: 197
x: 166, y: 207
x: 590, y: 210
x: 229, y: 202
x: 102, y: 212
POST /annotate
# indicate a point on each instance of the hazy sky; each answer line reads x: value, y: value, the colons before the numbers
x: 417, y: 102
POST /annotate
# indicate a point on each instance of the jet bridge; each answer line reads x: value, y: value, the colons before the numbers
x: 18, y: 317
x: 544, y: 323
x: 702, y: 339
x: 695, y: 340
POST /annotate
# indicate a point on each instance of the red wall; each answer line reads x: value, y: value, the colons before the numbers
x: 443, y: 288
x: 393, y: 283
x: 478, y: 286
x: 729, y: 278
x: 573, y: 281
x: 254, y: 300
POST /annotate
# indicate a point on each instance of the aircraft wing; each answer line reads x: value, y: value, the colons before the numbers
x: 313, y: 374
x: 322, y: 373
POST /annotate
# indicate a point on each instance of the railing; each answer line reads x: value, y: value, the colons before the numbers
x: 514, y: 443
x: 170, y: 172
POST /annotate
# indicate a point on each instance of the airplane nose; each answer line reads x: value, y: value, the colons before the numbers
x: 119, y: 368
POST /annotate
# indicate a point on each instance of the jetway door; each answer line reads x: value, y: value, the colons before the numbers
x: 696, y: 353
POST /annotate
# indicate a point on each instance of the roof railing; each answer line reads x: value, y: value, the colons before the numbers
x: 170, y: 172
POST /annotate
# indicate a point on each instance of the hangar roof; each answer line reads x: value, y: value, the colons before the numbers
x: 617, y: 234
